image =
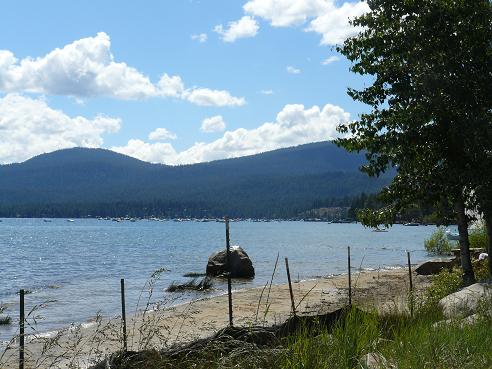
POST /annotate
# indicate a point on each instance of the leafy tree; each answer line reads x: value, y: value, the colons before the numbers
x: 428, y: 63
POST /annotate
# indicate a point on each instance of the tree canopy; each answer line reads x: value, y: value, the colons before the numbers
x: 430, y: 99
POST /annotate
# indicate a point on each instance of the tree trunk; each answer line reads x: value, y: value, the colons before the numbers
x: 488, y: 225
x: 466, y: 265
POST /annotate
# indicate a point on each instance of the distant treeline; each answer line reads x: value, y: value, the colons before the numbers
x: 158, y: 208
x: 347, y: 209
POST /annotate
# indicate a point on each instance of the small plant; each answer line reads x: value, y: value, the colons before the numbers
x: 443, y: 284
x: 481, y: 269
x: 438, y: 244
x: 5, y: 320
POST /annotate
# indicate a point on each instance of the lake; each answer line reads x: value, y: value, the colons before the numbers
x: 78, y: 265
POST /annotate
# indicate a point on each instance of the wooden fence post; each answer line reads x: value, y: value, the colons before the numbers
x: 411, y: 283
x: 290, y: 287
x: 21, y: 330
x: 349, y: 277
x: 229, y: 284
x: 123, y: 314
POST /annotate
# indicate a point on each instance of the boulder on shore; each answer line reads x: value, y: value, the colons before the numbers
x: 241, y: 264
x: 434, y: 266
x: 466, y: 301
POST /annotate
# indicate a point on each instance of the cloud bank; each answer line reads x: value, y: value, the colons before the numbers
x: 324, y: 17
x: 86, y: 68
x: 294, y: 125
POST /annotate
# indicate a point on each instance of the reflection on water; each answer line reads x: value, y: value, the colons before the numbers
x: 78, y: 265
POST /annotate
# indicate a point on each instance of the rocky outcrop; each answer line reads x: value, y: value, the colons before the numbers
x: 241, y: 264
x: 466, y: 301
x: 434, y: 266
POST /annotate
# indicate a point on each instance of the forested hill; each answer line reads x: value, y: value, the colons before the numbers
x: 280, y: 183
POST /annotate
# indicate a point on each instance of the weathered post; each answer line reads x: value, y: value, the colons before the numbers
x: 123, y: 314
x: 290, y: 287
x: 229, y: 284
x: 411, y: 283
x: 349, y: 278
x: 21, y: 330
x: 410, y: 271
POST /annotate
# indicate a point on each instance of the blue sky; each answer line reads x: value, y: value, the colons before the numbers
x: 172, y: 81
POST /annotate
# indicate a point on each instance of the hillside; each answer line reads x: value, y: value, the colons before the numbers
x: 77, y: 182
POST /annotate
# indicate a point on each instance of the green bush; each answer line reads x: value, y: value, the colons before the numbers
x: 478, y: 238
x: 443, y: 284
x: 438, y: 243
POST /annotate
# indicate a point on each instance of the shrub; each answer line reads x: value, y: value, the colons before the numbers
x: 438, y: 243
x: 443, y: 284
x: 5, y: 320
x: 478, y: 238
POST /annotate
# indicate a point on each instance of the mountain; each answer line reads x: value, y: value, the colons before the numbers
x: 79, y: 181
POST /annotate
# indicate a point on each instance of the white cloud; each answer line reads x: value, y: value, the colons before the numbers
x: 83, y: 68
x: 326, y: 17
x: 153, y: 153
x: 171, y: 86
x: 333, y: 25
x: 242, y: 28
x: 208, y: 97
x: 213, y: 124
x: 294, y: 125
x: 292, y: 70
x: 86, y: 68
x: 330, y: 59
x: 201, y: 37
x: 266, y: 92
x: 285, y: 13
x: 161, y: 134
x: 29, y: 127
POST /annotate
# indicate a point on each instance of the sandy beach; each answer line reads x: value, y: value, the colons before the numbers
x: 164, y: 326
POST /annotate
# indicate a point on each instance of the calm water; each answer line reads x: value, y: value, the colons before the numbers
x: 79, y: 265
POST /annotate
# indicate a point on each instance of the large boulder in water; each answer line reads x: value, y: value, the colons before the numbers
x: 241, y: 265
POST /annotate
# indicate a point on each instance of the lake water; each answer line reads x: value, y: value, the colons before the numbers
x: 78, y: 265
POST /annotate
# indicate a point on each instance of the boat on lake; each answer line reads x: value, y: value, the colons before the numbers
x: 452, y: 236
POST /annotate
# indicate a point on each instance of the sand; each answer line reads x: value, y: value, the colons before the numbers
x: 81, y: 346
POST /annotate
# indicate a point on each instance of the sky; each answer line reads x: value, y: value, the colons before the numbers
x: 173, y: 82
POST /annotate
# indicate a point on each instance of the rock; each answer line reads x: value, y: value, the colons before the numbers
x: 241, y: 265
x: 374, y: 360
x: 466, y: 301
x: 434, y: 266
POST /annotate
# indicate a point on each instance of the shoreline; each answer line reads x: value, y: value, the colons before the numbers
x: 198, y: 297
x: 164, y: 326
